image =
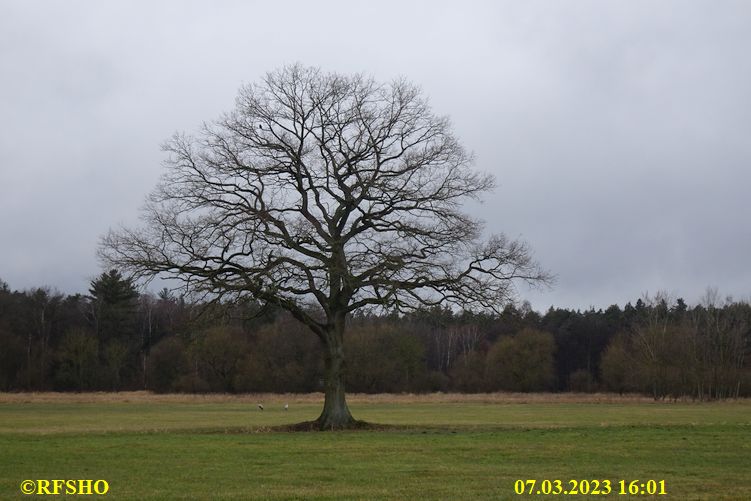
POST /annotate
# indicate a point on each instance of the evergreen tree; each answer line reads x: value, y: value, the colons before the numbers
x: 114, y: 302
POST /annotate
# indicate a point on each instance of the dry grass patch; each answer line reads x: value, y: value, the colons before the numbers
x: 144, y: 397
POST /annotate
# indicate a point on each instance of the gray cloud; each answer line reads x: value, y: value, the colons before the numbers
x: 618, y: 130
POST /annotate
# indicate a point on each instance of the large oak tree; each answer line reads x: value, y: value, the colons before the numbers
x: 323, y: 194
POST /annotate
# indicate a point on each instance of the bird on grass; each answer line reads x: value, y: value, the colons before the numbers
x: 286, y: 407
x: 260, y: 406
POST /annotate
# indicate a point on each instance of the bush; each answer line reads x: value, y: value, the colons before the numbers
x: 192, y: 383
x: 11, y: 359
x: 282, y: 357
x: 618, y: 366
x: 523, y: 362
x: 581, y: 381
x: 217, y: 353
x: 467, y: 373
x: 431, y: 382
x: 78, y: 358
x: 382, y: 360
x: 167, y: 362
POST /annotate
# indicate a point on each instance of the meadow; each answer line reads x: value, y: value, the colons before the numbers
x: 438, y: 446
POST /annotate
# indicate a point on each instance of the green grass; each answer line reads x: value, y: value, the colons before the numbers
x: 440, y: 450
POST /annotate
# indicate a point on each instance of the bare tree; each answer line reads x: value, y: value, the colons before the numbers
x: 322, y: 194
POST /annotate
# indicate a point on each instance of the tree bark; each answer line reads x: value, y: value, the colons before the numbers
x: 335, y: 414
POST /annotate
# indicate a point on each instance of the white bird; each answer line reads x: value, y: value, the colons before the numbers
x: 260, y: 406
x: 286, y: 407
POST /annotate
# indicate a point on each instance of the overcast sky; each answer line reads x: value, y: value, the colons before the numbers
x: 619, y: 132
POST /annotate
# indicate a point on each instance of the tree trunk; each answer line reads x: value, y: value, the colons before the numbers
x: 335, y: 413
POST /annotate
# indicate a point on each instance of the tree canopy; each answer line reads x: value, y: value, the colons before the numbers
x: 324, y: 194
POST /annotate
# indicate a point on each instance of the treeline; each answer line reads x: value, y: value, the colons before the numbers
x: 114, y: 339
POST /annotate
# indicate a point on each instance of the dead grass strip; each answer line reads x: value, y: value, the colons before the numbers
x: 144, y: 397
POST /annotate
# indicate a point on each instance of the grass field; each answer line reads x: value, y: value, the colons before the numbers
x: 437, y: 447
